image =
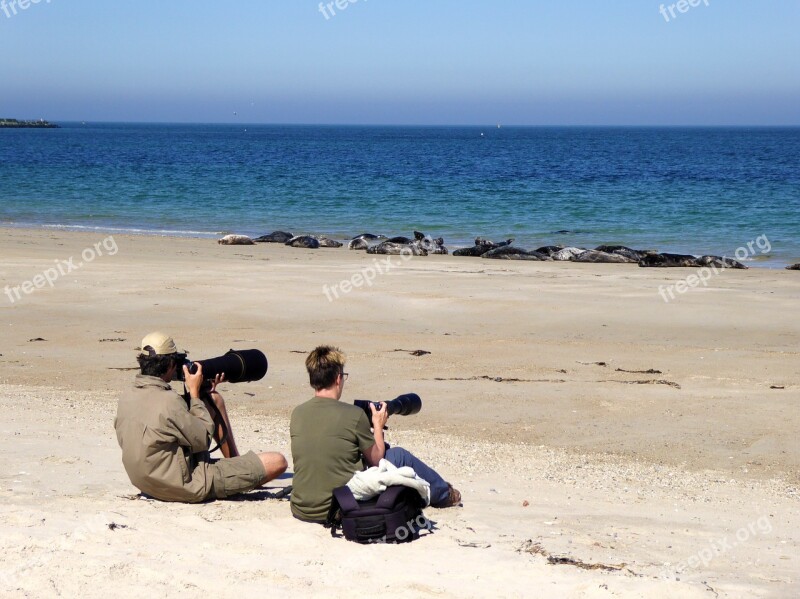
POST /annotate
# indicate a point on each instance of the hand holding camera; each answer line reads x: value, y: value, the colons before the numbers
x: 194, y: 382
x: 380, y: 414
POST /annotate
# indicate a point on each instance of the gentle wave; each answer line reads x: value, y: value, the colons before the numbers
x: 130, y: 230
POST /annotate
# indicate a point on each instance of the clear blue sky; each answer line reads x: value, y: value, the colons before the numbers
x: 524, y: 62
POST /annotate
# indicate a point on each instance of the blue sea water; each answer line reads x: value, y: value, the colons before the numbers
x: 687, y: 190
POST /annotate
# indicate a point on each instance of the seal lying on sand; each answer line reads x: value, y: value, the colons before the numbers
x: 549, y: 250
x: 359, y: 243
x: 668, y: 260
x: 720, y: 262
x: 363, y: 241
x: 274, y: 237
x: 481, y: 247
x: 794, y: 267
x: 313, y: 242
x: 303, y: 241
x: 602, y: 257
x: 567, y: 253
x: 507, y: 252
x: 634, y: 255
x: 683, y: 260
x: 421, y: 245
x: 235, y: 240
x: 395, y: 249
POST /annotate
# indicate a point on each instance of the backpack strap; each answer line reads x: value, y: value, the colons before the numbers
x: 342, y: 500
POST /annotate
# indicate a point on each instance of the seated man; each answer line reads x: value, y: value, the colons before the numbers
x: 165, y: 442
x: 329, y: 439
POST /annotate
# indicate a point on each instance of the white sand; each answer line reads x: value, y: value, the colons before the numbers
x: 647, y: 475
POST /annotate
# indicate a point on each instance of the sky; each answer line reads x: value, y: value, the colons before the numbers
x: 425, y: 62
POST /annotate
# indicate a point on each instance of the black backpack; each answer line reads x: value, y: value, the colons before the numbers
x: 394, y: 516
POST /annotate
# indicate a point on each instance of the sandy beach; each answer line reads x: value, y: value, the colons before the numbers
x: 607, y: 443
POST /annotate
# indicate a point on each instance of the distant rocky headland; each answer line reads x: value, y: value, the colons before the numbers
x: 15, y: 124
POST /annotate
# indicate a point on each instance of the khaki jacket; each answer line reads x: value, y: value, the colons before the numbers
x: 160, y: 436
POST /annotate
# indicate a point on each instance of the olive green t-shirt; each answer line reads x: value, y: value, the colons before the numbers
x: 328, y: 438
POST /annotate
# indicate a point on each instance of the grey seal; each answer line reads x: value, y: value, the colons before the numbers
x: 634, y: 255
x: 274, y: 237
x: 668, y: 260
x: 235, y: 240
x: 794, y: 267
x: 430, y: 245
x: 720, y: 262
x: 304, y: 241
x: 565, y: 254
x: 327, y: 242
x: 395, y: 249
x: 481, y: 247
x: 549, y: 250
x: 422, y: 242
x: 603, y: 258
x: 508, y: 252
x: 359, y: 243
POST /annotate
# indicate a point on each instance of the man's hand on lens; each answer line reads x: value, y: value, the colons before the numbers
x: 193, y: 381
x: 379, y: 417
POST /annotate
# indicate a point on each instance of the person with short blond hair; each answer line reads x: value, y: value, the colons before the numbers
x: 331, y: 440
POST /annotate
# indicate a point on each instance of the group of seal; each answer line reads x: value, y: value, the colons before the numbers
x: 423, y: 245
x: 609, y: 254
x: 298, y: 241
x: 666, y: 260
x: 420, y: 245
x: 481, y: 247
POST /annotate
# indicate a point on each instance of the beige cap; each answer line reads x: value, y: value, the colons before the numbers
x: 160, y: 344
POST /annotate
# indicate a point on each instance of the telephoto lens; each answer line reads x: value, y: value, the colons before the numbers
x: 239, y: 366
x: 404, y: 405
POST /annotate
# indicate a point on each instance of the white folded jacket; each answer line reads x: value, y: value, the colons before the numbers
x: 374, y: 481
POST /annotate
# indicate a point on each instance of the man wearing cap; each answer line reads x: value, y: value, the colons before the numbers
x: 165, y: 442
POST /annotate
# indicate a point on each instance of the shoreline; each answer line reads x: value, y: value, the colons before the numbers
x: 752, y: 261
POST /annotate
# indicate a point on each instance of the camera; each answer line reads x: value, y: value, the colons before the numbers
x: 404, y: 405
x: 239, y: 366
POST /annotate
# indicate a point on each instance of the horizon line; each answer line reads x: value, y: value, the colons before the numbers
x: 423, y: 125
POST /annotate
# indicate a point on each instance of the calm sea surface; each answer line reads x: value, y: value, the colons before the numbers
x: 673, y: 189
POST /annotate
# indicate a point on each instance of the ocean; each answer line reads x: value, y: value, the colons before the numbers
x: 685, y: 190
